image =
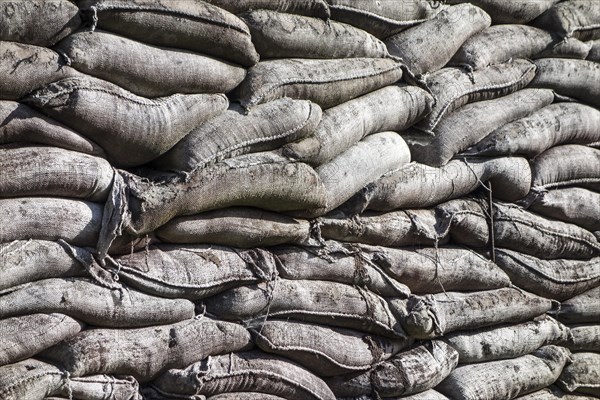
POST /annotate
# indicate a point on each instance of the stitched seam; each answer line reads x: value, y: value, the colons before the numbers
x: 183, y: 285
x: 566, y: 183
x: 554, y: 278
x: 377, y: 16
x: 149, y: 102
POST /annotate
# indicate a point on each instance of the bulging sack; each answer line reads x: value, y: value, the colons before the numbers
x: 511, y: 12
x: 29, y: 379
x: 578, y: 18
x: 584, y: 337
x: 582, y: 376
x: 581, y: 309
x: 100, y: 387
x: 566, y: 165
x: 310, y: 8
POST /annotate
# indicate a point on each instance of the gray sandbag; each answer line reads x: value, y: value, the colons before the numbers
x: 325, y: 82
x: 553, y: 125
x: 323, y: 350
x: 506, y: 379
x: 100, y: 387
x: 569, y: 77
x: 327, y: 303
x: 310, y: 8
x: 500, y: 43
x: 189, y: 25
x: 239, y: 227
x: 566, y: 165
x: 192, y: 272
x: 30, y: 379
x: 148, y: 71
x: 93, y: 304
x: 554, y: 393
x: 392, y: 108
x: 465, y: 220
x: 438, y: 314
x: 146, y: 353
x: 582, y: 376
x: 25, y: 68
x: 241, y: 372
x: 52, y: 171
x: 426, y: 395
x: 453, y: 88
x: 573, y: 18
x: 511, y: 12
x: 41, y: 23
x: 409, y: 372
x: 233, y: 133
x: 585, y: 337
x: 429, y: 270
x: 594, y: 54
x: 581, y: 309
x: 429, y: 46
x: 574, y: 205
x: 459, y: 130
x: 385, y: 17
x: 245, y: 396
x: 507, y: 341
x: 281, y: 35
x: 131, y: 129
x: 27, y: 335
x: 554, y: 279
x: 22, y: 124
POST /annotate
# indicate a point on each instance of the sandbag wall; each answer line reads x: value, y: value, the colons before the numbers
x: 256, y: 199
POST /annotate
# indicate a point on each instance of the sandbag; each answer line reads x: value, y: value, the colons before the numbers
x: 100, y: 387
x: 507, y: 341
x: 30, y: 379
x: 584, y: 338
x: 25, y: 68
x: 511, y: 12
x: 93, y: 304
x: 581, y: 309
x: 506, y: 379
x: 392, y: 108
x: 327, y: 303
x: 27, y: 335
x: 553, y: 393
x: 574, y: 205
x: 266, y: 127
x: 148, y: 71
x: 429, y: 46
x: 310, y: 8
x: 189, y: 25
x: 131, y: 129
x: 594, y: 54
x: 323, y: 350
x: 22, y: 124
x: 193, y: 272
x: 454, y: 87
x: 242, y: 372
x: 426, y: 395
x: 567, y: 165
x: 553, y: 125
x: 582, y: 376
x: 412, y: 371
x: 436, y: 315
x: 325, y: 82
x: 147, y: 352
x: 574, y: 18
x: 569, y: 77
x: 554, y: 279
x: 459, y: 130
x: 280, y: 35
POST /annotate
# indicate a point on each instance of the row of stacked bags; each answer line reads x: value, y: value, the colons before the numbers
x: 299, y: 199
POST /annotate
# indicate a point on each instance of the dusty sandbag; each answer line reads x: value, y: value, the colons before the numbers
x: 239, y: 227
x: 93, y: 304
x: 52, y: 171
x: 392, y: 108
x: 47, y: 218
x: 100, y: 387
x: 507, y: 341
x: 385, y: 17
x: 281, y: 35
x: 183, y: 24
x: 266, y: 127
x: 145, y: 70
x: 241, y: 372
x: 583, y: 375
x: 245, y: 396
x: 425, y: 53
x: 594, y: 54
x: 553, y: 125
x: 554, y: 393
x: 30, y: 379
x: 131, y: 129
x: 360, y: 165
x: 438, y: 314
x: 506, y: 379
x: 278, y: 184
x: 581, y: 309
x: 426, y: 395
x: 323, y: 350
x: 193, y: 272
x: 567, y: 48
x: 567, y: 165
x: 409, y: 372
x: 430, y: 270
x: 554, y: 279
x: 465, y: 220
x: 347, y: 265
x: 453, y: 88
x: 511, y: 12
x: 573, y: 18
x: 327, y: 303
x: 310, y: 8
x: 325, y: 82
x: 584, y: 338
x: 569, y: 77
x: 25, y: 68
x: 27, y: 335
x: 21, y: 124
x: 145, y: 353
